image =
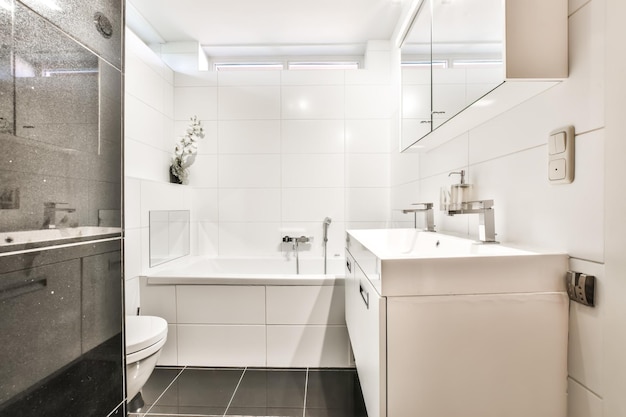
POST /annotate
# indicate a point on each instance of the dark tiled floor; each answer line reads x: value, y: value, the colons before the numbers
x: 251, y: 392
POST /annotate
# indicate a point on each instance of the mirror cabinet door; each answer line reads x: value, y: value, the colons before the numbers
x: 416, y: 76
x: 467, y: 54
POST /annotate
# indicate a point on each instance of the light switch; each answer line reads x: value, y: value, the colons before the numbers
x: 559, y: 142
x: 561, y: 156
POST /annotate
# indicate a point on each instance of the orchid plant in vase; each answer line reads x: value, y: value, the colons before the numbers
x: 185, y: 152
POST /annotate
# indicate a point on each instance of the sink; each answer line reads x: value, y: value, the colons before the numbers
x: 416, y: 262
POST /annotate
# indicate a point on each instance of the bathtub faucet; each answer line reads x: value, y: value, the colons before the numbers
x: 49, y: 214
x: 294, y: 239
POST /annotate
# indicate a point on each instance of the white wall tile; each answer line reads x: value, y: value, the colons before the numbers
x: 367, y: 170
x: 249, y: 102
x: 312, y: 136
x: 145, y: 124
x: 367, y: 204
x: 312, y: 204
x: 249, y: 171
x: 249, y: 205
x: 197, y: 79
x: 451, y: 156
x: 305, y: 305
x: 368, y: 102
x: 252, y: 137
x: 405, y: 167
x: 200, y: 345
x: 132, y: 253
x: 582, y: 402
x: 206, y: 239
x: 368, y: 136
x: 240, y: 78
x: 307, y: 346
x: 315, y: 170
x: 144, y: 161
x: 313, y: 77
x: 204, y: 204
x: 249, y: 239
x: 203, y: 172
x: 312, y: 102
x: 132, y: 203
x: 220, y: 304
x: 195, y: 101
x: 152, y: 198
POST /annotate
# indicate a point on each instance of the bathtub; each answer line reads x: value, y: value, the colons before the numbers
x: 249, y: 312
x: 247, y: 271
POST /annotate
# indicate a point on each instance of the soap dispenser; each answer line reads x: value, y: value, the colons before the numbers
x: 460, y: 193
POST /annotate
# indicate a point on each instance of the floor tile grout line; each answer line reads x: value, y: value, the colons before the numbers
x: 163, y: 393
x: 235, y: 391
x: 306, y: 388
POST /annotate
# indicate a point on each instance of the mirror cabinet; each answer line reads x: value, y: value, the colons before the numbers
x: 463, y: 63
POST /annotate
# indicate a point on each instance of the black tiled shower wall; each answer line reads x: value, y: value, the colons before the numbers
x: 61, y: 326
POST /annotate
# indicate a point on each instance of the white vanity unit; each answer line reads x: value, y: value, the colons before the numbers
x: 442, y: 326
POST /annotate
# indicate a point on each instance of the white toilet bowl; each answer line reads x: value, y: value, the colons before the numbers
x: 145, y: 336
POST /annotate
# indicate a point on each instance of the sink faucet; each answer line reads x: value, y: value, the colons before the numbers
x: 427, y: 209
x: 49, y: 214
x: 486, y: 225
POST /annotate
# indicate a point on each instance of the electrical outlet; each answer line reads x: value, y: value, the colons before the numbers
x: 581, y: 287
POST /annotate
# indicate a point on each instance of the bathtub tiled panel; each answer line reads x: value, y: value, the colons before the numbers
x: 217, y: 325
x: 158, y: 300
x: 304, y: 346
x: 220, y: 304
x: 207, y: 345
x: 305, y: 305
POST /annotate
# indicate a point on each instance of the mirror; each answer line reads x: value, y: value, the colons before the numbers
x: 463, y: 43
x: 169, y: 235
x: 416, y: 75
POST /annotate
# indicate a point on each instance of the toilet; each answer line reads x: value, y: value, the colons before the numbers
x: 145, y: 337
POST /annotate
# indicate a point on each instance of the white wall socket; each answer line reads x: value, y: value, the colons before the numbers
x: 561, y: 156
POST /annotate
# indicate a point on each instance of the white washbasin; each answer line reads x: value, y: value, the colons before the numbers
x: 46, y: 237
x: 415, y: 262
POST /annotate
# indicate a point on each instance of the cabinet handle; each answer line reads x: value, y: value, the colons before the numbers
x: 365, y: 296
x: 22, y: 288
x: 348, y: 265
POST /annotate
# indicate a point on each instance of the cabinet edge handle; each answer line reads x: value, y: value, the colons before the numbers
x: 23, y: 288
x: 365, y: 296
x: 349, y: 265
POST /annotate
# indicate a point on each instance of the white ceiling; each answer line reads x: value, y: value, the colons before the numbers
x: 272, y: 27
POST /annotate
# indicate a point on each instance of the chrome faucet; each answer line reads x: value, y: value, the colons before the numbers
x: 486, y: 224
x: 49, y: 214
x: 427, y: 209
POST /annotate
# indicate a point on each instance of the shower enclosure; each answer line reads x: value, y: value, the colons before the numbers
x: 61, y: 287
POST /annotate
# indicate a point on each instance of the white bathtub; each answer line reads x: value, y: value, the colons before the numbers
x: 247, y: 271
x: 249, y: 312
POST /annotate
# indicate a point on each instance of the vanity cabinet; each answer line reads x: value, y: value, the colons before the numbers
x: 366, y: 321
x: 456, y: 337
x: 463, y: 63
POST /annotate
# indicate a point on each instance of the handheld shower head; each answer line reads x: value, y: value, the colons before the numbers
x: 327, y: 221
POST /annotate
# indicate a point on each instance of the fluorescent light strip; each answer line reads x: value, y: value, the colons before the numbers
x: 248, y: 66
x: 341, y: 65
